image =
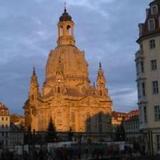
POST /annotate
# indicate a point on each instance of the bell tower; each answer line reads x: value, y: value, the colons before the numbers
x: 65, y: 30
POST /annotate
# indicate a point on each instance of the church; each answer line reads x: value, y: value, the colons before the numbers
x: 67, y: 97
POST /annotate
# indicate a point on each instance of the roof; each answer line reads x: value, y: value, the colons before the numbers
x: 154, y: 2
x: 3, y: 110
x: 118, y: 114
x: 65, y: 16
x: 145, y: 29
x: 134, y: 114
x: 126, y: 115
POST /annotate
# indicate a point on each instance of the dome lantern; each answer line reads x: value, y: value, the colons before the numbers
x: 65, y: 30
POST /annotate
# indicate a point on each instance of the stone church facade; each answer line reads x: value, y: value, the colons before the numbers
x: 67, y: 97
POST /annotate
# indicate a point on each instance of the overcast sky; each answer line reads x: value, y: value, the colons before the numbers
x: 105, y: 29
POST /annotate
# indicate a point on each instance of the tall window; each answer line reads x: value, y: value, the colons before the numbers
x: 155, y: 87
x: 157, y: 112
x: 88, y: 122
x: 69, y: 30
x: 142, y: 66
x: 140, y: 115
x: 154, y: 9
x: 100, y: 122
x: 153, y: 65
x: 152, y: 44
x: 137, y: 67
x: 145, y: 114
x: 59, y: 90
x: 61, y: 31
x: 139, y: 90
x: 140, y: 29
x: 151, y: 24
x: 158, y: 142
x: 143, y: 89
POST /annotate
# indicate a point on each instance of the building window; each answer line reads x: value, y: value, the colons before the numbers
x: 6, y: 142
x: 152, y: 43
x: 155, y: 87
x: 153, y: 65
x: 88, y: 123
x: 100, y: 92
x: 151, y: 24
x: 140, y: 29
x: 140, y: 115
x: 154, y: 9
x: 143, y: 89
x: 157, y: 112
x: 58, y: 89
x: 69, y: 30
x: 139, y: 90
x: 141, y: 47
x: 158, y: 142
x: 32, y: 97
x: 145, y: 114
x: 100, y: 122
x: 61, y: 31
x: 137, y: 68
x: 142, y: 66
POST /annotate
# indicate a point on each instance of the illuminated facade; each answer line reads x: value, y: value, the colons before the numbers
x: 67, y: 97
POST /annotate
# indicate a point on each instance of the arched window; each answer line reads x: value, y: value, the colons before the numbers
x: 151, y: 24
x: 140, y: 29
x: 61, y: 30
x: 59, y: 90
x: 100, y: 93
x: 88, y: 122
x: 100, y: 126
x: 154, y: 9
x: 69, y: 30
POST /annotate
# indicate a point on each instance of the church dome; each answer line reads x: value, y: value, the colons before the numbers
x: 70, y: 61
x: 65, y: 16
